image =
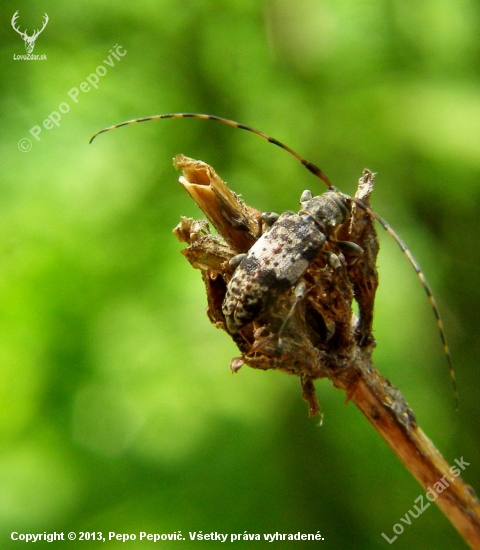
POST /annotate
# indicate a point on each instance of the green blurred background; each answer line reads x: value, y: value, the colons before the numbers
x: 118, y: 411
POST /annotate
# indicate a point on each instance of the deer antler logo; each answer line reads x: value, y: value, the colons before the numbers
x: 29, y: 40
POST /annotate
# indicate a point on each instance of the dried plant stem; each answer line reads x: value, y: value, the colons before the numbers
x: 374, y: 396
x: 325, y: 340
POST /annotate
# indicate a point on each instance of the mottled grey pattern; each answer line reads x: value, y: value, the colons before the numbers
x: 274, y: 264
x: 328, y: 210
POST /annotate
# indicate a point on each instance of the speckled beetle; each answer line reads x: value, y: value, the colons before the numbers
x: 277, y: 261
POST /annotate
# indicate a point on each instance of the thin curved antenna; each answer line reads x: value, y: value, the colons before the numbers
x: 426, y: 286
x: 319, y: 174
x: 315, y: 170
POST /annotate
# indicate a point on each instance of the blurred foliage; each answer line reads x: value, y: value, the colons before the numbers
x: 117, y: 408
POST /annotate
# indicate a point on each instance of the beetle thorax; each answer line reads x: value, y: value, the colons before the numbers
x: 327, y: 211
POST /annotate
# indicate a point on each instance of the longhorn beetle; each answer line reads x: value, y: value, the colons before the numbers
x: 317, y: 220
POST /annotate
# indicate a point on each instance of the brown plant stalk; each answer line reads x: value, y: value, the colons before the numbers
x: 323, y: 338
